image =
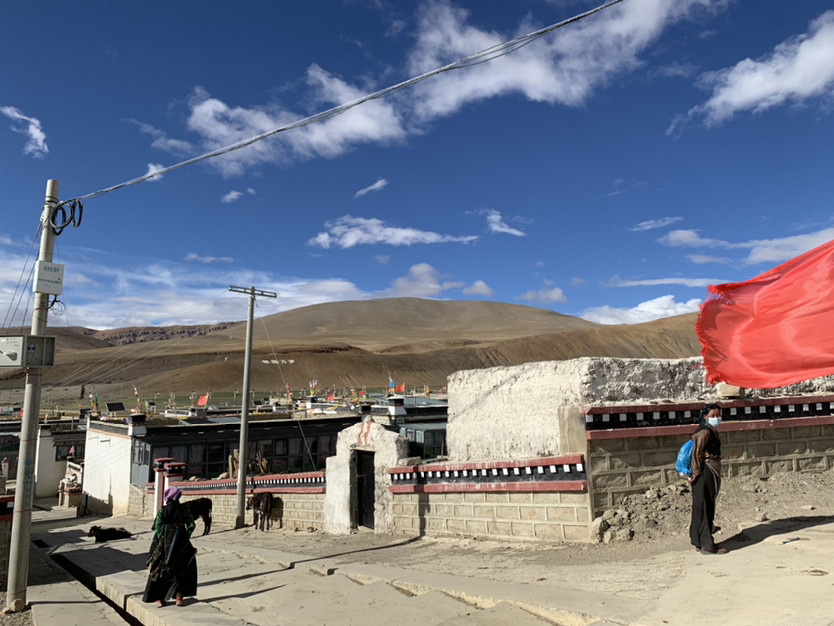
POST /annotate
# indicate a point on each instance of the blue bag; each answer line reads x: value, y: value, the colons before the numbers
x: 683, y: 464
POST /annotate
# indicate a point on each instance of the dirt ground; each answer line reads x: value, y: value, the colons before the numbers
x: 651, y: 538
x: 643, y: 557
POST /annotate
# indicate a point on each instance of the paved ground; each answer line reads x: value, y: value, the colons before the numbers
x: 782, y: 577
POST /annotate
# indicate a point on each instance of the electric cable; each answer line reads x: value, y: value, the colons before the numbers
x: 487, y: 54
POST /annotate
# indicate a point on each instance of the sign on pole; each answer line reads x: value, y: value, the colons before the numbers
x: 49, y: 278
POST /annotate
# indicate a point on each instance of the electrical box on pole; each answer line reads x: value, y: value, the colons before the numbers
x: 27, y: 351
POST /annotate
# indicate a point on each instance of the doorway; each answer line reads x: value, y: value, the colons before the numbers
x: 364, y: 489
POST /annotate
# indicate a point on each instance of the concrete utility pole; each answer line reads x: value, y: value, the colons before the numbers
x: 243, y: 447
x: 24, y: 487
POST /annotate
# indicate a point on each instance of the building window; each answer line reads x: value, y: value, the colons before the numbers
x: 75, y: 450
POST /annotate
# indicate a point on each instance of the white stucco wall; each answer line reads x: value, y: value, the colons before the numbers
x: 389, y: 449
x: 107, y: 475
x: 48, y: 471
x: 533, y: 410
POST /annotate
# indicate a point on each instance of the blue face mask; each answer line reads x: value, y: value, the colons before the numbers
x: 713, y: 421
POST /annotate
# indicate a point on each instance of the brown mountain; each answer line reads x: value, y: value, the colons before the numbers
x: 345, y: 344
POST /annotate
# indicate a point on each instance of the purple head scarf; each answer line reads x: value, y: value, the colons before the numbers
x: 172, y: 493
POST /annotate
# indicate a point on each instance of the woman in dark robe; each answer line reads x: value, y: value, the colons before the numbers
x: 706, y: 481
x: 172, y: 562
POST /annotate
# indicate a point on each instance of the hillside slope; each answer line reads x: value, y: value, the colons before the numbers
x: 416, y: 341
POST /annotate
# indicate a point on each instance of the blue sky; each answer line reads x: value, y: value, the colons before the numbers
x: 611, y: 169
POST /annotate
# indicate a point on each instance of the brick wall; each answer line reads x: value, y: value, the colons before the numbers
x: 517, y: 515
x: 544, y: 498
x: 628, y: 461
x: 298, y: 503
x: 140, y: 502
x: 297, y: 510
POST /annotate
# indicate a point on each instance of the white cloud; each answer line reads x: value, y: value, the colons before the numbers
x: 29, y: 126
x: 545, y: 295
x: 496, y: 224
x: 152, y: 169
x: 676, y: 238
x: 576, y: 281
x: 479, y: 288
x: 662, y: 222
x: 760, y: 250
x: 161, y: 141
x: 379, y: 185
x: 700, y: 259
x: 382, y: 259
x: 564, y: 68
x: 664, y: 306
x: 348, y: 231
x: 232, y: 196
x: 193, y: 256
x: 616, y: 281
x: 785, y: 248
x: 219, y: 125
x: 423, y: 281
x: 163, y: 293
x: 795, y: 72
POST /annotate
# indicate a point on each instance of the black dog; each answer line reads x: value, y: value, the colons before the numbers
x: 261, y: 505
x: 108, y: 534
x: 200, y: 507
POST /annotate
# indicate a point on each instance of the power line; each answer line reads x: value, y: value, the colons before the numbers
x: 487, y: 54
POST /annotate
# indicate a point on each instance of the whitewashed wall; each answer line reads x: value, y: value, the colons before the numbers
x: 48, y: 471
x: 107, y: 471
x: 534, y: 410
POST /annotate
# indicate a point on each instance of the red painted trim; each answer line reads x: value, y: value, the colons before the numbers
x: 570, y: 459
x: 689, y: 406
x: 687, y: 429
x: 5, y: 518
x: 649, y: 431
x: 228, y: 492
x: 642, y: 408
x: 540, y: 487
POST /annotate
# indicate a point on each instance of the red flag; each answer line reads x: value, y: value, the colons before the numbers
x: 202, y: 400
x: 401, y: 388
x: 773, y: 330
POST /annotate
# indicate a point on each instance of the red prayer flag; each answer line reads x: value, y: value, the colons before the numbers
x: 773, y: 330
x: 202, y: 400
x: 401, y: 388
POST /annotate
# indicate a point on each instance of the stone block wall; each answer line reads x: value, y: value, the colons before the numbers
x: 534, y: 499
x: 140, y: 502
x: 298, y: 499
x: 628, y: 461
x: 496, y: 515
x: 297, y: 510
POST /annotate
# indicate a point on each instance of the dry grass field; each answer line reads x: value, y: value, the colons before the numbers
x: 343, y: 344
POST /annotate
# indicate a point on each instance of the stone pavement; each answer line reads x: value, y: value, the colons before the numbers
x: 782, y: 575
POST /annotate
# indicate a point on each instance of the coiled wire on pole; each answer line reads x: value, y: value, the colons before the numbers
x: 64, y: 214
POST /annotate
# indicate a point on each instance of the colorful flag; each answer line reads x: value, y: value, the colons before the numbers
x: 773, y: 330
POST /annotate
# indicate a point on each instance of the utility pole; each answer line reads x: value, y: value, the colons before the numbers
x: 243, y: 447
x: 24, y: 488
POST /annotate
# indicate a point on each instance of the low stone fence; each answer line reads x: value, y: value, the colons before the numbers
x: 631, y: 448
x: 544, y: 498
x: 298, y: 499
